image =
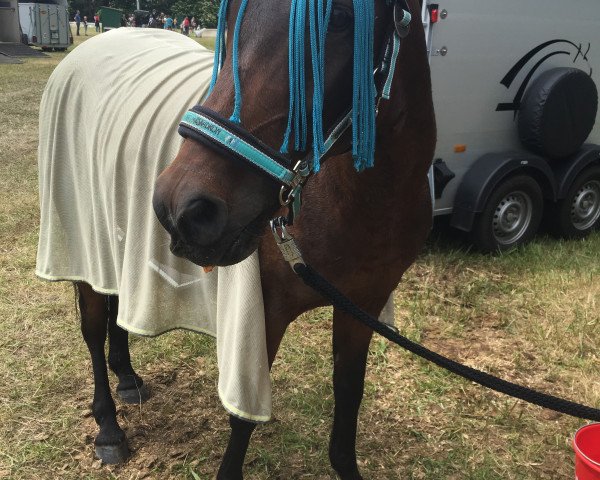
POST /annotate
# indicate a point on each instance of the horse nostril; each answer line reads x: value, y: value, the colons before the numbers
x: 202, y: 220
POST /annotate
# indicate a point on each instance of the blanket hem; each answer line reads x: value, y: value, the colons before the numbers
x: 236, y: 412
x: 75, y: 279
x: 145, y: 334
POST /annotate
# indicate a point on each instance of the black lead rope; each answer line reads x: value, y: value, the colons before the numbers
x: 316, y: 281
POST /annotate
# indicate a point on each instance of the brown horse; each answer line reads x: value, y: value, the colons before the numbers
x: 360, y: 230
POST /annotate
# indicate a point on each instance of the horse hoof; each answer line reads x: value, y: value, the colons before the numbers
x: 134, y: 395
x: 113, y: 454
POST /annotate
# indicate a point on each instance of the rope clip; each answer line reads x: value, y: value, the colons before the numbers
x: 286, y: 243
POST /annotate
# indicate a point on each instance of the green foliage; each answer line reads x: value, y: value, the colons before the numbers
x: 205, y: 11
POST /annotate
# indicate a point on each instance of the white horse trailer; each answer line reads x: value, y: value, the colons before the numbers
x: 516, y: 107
x: 46, y: 24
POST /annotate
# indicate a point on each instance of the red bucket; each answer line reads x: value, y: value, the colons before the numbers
x: 587, y: 452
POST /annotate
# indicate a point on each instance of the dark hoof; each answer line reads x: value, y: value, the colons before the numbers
x: 113, y: 454
x: 134, y: 395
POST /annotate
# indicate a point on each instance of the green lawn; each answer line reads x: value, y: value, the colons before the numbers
x: 532, y: 316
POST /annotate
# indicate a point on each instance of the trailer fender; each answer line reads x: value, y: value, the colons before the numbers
x: 567, y: 171
x: 486, y: 173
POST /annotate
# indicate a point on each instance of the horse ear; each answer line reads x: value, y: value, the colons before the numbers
x: 402, y: 18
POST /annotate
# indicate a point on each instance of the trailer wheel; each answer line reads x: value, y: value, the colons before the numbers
x: 579, y: 212
x: 511, y: 215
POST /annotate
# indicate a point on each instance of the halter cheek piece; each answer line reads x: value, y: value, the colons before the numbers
x: 231, y: 140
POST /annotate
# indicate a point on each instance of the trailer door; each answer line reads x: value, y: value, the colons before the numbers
x: 53, y: 25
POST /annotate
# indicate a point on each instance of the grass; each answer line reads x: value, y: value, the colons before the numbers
x: 532, y: 316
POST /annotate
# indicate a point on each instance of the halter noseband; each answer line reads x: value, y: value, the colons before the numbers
x: 229, y: 139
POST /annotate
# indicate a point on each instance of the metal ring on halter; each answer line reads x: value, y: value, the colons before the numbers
x: 282, y: 192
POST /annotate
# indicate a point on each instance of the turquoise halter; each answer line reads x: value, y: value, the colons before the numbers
x: 228, y: 136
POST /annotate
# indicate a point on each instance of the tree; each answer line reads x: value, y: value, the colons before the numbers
x: 205, y: 11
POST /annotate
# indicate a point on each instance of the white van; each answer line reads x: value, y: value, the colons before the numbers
x: 46, y: 24
x: 514, y: 89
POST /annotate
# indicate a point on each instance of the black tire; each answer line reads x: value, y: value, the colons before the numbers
x: 511, y: 216
x: 578, y: 213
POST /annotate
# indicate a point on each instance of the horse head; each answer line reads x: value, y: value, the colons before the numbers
x: 216, y: 208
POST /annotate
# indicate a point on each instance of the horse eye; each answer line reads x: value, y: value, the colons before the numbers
x: 341, y: 19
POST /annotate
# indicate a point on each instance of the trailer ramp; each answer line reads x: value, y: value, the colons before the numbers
x: 8, y: 59
x: 19, y: 50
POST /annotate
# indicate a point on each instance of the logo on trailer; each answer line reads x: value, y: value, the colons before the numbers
x: 578, y: 52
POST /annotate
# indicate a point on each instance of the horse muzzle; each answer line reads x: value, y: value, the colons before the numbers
x: 201, y: 230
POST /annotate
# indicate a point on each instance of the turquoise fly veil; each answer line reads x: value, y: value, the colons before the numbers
x: 315, y: 14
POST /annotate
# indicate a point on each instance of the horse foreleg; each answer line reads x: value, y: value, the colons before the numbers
x: 241, y: 430
x: 110, y: 443
x: 233, y: 460
x: 350, y: 348
x: 131, y: 388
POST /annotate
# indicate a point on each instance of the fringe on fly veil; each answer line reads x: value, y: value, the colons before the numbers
x: 108, y: 127
x: 315, y: 14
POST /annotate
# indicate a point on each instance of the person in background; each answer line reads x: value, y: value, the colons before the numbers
x: 174, y: 23
x: 77, y: 21
x: 85, y: 25
x: 193, y: 23
x: 168, y: 22
x: 185, y: 26
x: 97, y: 22
x: 153, y: 20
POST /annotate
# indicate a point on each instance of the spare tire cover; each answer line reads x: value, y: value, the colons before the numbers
x: 558, y: 112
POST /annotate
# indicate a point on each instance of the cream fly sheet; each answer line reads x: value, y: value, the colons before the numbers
x: 108, y: 127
